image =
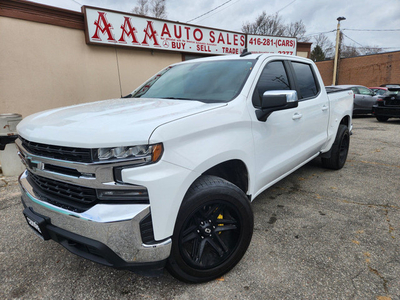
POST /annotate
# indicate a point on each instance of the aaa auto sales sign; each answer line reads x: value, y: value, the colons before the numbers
x: 117, y: 28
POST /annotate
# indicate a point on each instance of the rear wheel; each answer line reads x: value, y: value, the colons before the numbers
x: 339, y: 151
x: 382, y: 119
x: 212, y: 232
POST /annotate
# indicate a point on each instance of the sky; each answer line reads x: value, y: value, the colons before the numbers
x: 368, y: 22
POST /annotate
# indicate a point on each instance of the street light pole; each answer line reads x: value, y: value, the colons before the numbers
x: 335, y: 64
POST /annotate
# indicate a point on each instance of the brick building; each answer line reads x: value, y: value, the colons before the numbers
x: 368, y: 70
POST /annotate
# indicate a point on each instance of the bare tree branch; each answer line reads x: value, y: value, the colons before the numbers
x: 265, y: 25
x: 298, y: 30
x: 158, y: 9
x: 274, y: 25
x: 152, y: 8
x: 142, y: 8
x: 325, y: 44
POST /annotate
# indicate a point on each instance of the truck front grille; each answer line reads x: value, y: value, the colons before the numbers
x: 58, y: 152
x: 68, y: 196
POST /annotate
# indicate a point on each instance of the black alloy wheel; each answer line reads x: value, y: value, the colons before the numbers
x: 212, y: 232
x: 210, y: 235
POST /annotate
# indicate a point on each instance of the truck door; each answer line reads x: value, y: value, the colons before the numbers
x: 313, y: 108
x: 288, y: 137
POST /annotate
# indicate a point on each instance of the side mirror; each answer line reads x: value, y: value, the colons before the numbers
x: 274, y: 101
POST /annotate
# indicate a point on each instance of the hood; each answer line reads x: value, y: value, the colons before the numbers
x: 110, y: 123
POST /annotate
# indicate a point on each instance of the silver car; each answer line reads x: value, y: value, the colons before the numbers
x: 364, y: 98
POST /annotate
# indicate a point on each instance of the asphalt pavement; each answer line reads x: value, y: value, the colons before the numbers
x: 318, y: 234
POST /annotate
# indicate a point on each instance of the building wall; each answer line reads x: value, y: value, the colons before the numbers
x: 303, y: 49
x: 369, y: 70
x: 46, y: 66
x: 326, y: 70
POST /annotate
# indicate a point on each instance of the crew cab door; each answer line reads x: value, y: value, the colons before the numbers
x: 313, y: 106
x: 288, y: 137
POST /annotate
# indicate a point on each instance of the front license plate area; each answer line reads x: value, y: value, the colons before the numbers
x: 37, y: 223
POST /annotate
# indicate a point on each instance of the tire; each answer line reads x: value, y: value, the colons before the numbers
x: 382, y: 119
x: 212, y: 232
x: 339, y: 150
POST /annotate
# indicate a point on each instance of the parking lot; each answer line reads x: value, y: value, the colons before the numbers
x: 318, y: 234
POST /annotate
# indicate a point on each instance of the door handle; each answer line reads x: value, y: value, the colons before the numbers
x: 325, y: 108
x: 297, y: 116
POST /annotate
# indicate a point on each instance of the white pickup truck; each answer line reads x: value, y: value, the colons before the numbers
x: 165, y: 176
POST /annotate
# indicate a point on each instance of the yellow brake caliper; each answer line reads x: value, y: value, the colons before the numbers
x: 220, y: 217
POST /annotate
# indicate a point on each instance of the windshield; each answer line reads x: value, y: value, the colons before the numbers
x: 210, y: 81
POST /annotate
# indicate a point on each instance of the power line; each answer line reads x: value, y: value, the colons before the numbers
x: 383, y: 48
x: 77, y: 2
x: 371, y: 29
x: 220, y: 11
x: 313, y: 34
x: 209, y: 11
x: 286, y: 6
x: 353, y: 40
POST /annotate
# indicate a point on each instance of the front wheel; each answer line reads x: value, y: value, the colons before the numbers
x: 339, y: 151
x: 212, y: 232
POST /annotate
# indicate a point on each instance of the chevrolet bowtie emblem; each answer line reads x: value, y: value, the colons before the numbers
x: 33, y: 164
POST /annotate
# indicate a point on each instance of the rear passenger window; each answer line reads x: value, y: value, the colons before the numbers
x: 364, y: 91
x: 305, y: 80
x: 355, y: 90
x: 273, y: 77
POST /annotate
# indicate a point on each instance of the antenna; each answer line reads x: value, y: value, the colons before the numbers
x: 245, y: 52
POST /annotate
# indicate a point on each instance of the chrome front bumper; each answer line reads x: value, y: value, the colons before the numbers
x: 116, y: 226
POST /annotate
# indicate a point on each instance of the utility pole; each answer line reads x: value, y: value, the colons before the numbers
x: 335, y: 64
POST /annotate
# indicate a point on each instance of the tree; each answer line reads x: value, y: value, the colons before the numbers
x: 317, y: 54
x: 325, y: 44
x: 372, y: 50
x: 274, y: 25
x: 348, y: 51
x: 265, y: 25
x: 151, y: 8
x: 142, y: 8
x: 298, y: 30
x: 351, y: 51
x: 158, y: 9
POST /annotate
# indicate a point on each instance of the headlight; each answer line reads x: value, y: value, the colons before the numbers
x: 148, y: 153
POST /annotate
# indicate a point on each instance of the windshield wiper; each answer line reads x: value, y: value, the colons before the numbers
x: 127, y: 96
x: 191, y: 99
x: 176, y: 98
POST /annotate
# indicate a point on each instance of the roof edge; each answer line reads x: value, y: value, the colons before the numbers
x: 35, y: 12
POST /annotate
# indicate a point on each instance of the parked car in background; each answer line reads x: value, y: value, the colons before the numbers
x: 364, y: 98
x: 391, y: 85
x: 379, y: 90
x: 387, y: 105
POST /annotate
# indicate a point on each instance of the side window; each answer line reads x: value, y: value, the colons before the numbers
x: 380, y: 92
x: 305, y: 80
x: 355, y: 90
x: 364, y: 91
x: 273, y: 77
